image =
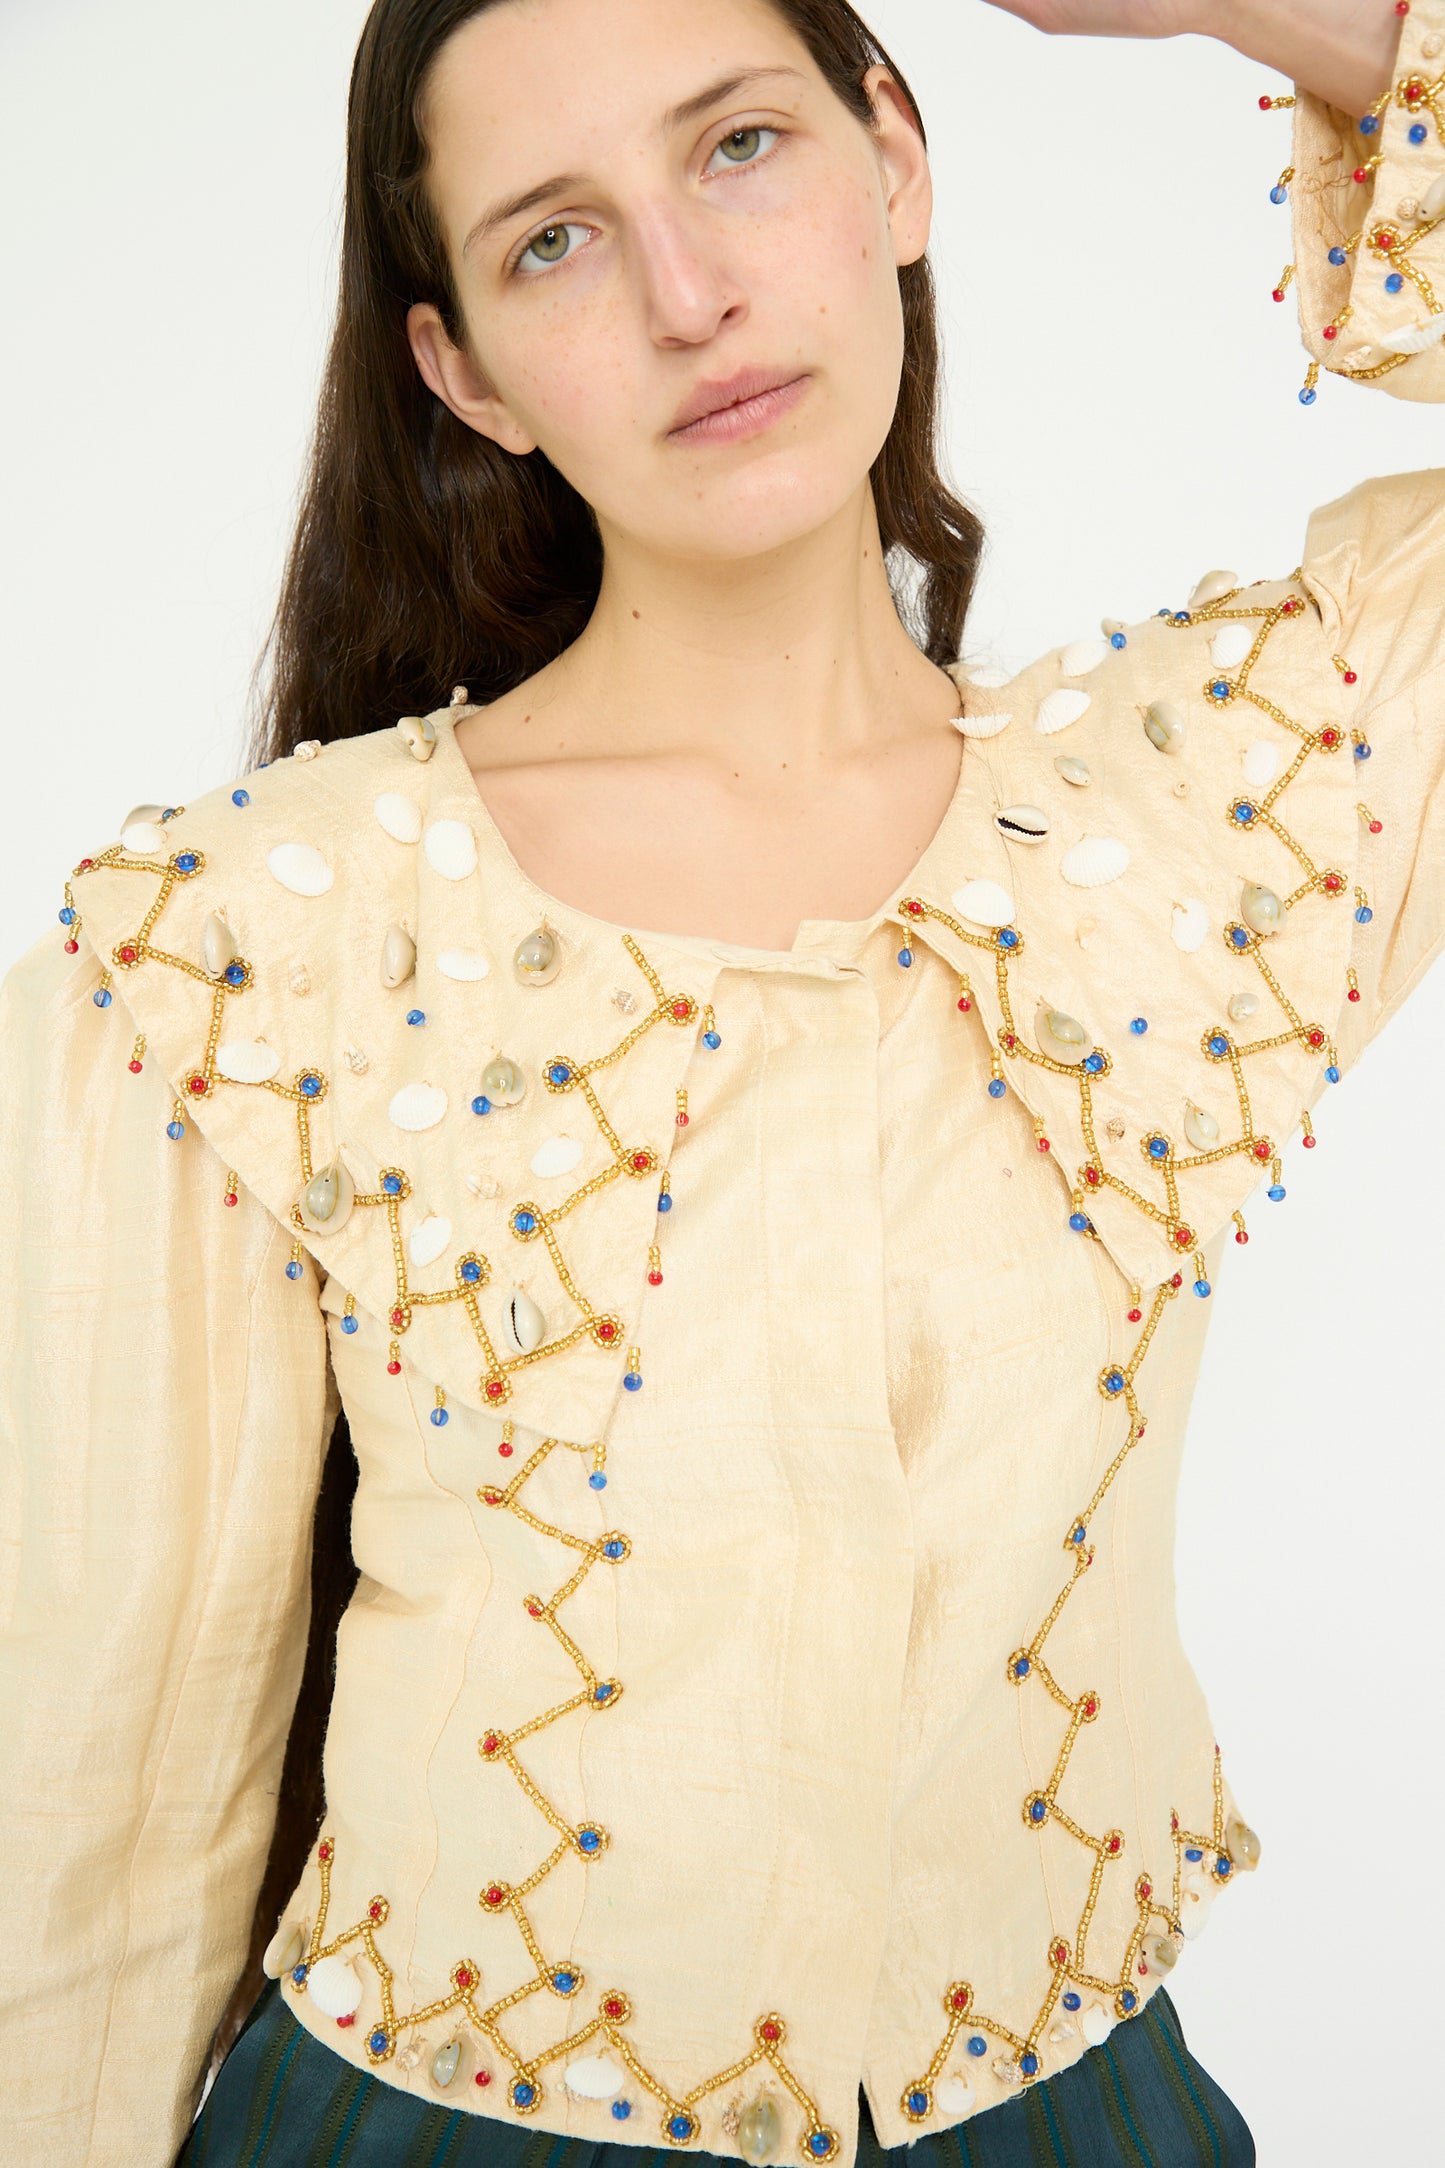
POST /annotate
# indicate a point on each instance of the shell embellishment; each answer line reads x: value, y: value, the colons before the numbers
x: 325, y: 1203
x: 1260, y: 908
x: 451, y: 849
x: 218, y: 944
x: 418, y: 735
x: 1432, y: 203
x: 141, y: 830
x: 1060, y: 708
x: 1213, y: 588
x: 284, y: 1950
x: 1200, y: 1127
x: 333, y: 1986
x: 983, y: 903
x: 300, y: 867
x: 1081, y: 656
x: 463, y: 963
x: 1094, y: 860
x: 1096, y: 2024
x: 1073, y: 770
x: 1022, y: 824
x: 954, y: 2094
x: 247, y: 1061
x: 1260, y: 762
x: 556, y: 1155
x: 1414, y: 338
x: 1061, y: 1035
x: 1231, y: 644
x: 1243, y: 1005
x: 593, y: 2077
x: 399, y: 815
x: 428, y: 1239
x: 417, y: 1106
x: 525, y: 1325
x: 398, y: 956
x: 987, y: 676
x: 1190, y: 924
x: 1165, y: 726
x: 983, y: 726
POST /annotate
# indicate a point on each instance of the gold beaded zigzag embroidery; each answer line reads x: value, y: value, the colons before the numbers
x: 527, y: 1220
x: 1068, y: 1965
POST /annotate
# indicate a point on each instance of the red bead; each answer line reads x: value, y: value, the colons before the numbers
x: 1352, y: 677
x: 1146, y: 1891
x: 350, y: 2020
x: 87, y: 861
x: 1278, y: 293
x: 1332, y: 331
x: 490, y: 1743
x: 374, y: 1911
x: 1309, y: 1143
x: 1240, y: 1235
x: 464, y: 1978
x: 1265, y: 103
x: 494, y: 1387
x: 230, y: 1197
x: 1176, y: 1279
x: 1043, y: 1144
x: 682, y: 1121
x: 1261, y: 1150
x: 71, y: 947
x: 197, y: 1086
x: 914, y: 909
x: 1316, y: 1038
x: 323, y: 1850
x: 612, y: 2007
x: 505, y: 1449
x: 134, y: 1067
x: 963, y: 1001
x: 770, y: 2032
x: 483, y: 2077
x: 394, y: 1368
x: 1384, y: 240
x: 1093, y: 1177
x: 959, y: 2000
x: 654, y: 1279
x: 1009, y: 1039
x: 126, y: 955
x: 398, y: 1317
x: 492, y: 1896
x: 1143, y: 1969
x: 1375, y: 827
x: 1402, y: 7
x: 1354, y: 993
x: 1291, y: 605
x: 1361, y: 174
x: 1091, y: 1707
x: 680, y: 1010
x: 534, y: 1610
x: 1329, y: 737
x: 1134, y: 1316
x: 607, y: 1330
x: 1113, y: 1844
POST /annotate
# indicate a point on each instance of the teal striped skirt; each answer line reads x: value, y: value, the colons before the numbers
x: 282, y: 2099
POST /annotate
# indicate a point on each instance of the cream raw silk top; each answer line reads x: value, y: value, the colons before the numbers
x: 768, y: 1390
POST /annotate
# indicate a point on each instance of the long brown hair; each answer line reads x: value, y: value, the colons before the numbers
x: 426, y: 556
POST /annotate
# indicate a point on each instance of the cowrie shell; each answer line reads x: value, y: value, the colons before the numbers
x: 1096, y: 2024
x: 1211, y: 588
x: 1022, y: 823
x: 1413, y: 338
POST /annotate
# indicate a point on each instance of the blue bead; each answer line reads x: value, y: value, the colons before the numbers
x: 918, y: 2103
x: 1072, y: 2001
x: 1394, y: 282
x: 1307, y: 397
x: 1158, y: 1147
x: 1362, y: 751
x: 1022, y: 1668
x: 905, y: 957
x: 1419, y: 132
x: 1139, y: 1025
x: 1244, y: 813
x: 633, y: 1382
x: 1118, y: 639
x: 1093, y: 1063
x: 299, y: 1975
x: 235, y: 974
x: 240, y: 797
x: 175, y: 1129
x: 391, y: 1184
x: 186, y: 862
x: 1223, y: 1867
x: 481, y: 1104
x: 818, y: 2142
x: 622, y: 2109
x: 1219, y: 1044
x: 564, y: 1982
x: 1129, y: 2000
x: 1181, y: 617
x: 1363, y: 914
x: 589, y: 1840
x: 559, y: 1073
x: 1079, y: 1533
x: 1028, y: 2063
x: 524, y: 1222
x: 265, y: 763
x: 101, y: 997
x: 996, y: 1088
x: 1078, y: 1222
x: 712, y: 1038
x: 1279, y: 195
x: 1193, y: 1852
x: 67, y: 916
x: 612, y: 1550
x: 1037, y: 1810
x: 1007, y: 938
x: 597, y: 1480
x: 1369, y: 125
x: 1337, y: 256
x: 1219, y: 690
x: 378, y: 2043
x: 1201, y: 1287
x: 310, y: 1084
x: 439, y: 1416
x: 977, y: 2045
x: 1239, y: 935
x: 471, y: 1270
x: 416, y: 1016
x: 680, y: 2126
x: 1114, y: 1382
x: 293, y: 1268
x: 1332, y: 1074
x: 664, y: 1201
x: 523, y: 2094
x: 603, y: 1691
x: 1276, y: 1192
x: 350, y: 1324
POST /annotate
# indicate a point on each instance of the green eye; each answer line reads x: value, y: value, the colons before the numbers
x: 550, y: 246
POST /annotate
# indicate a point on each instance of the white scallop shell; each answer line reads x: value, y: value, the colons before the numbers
x: 1190, y: 926
x: 1093, y: 860
x: 333, y: 1986
x: 593, y: 2077
x: 984, y: 903
x: 1211, y: 587
x: 417, y: 1106
x: 556, y: 1155
x: 988, y: 676
x: 954, y: 2094
x: 983, y: 726
x: 428, y: 1239
x: 247, y: 1061
x: 451, y: 848
x: 1081, y: 656
x: 1231, y: 644
x: 1414, y: 338
x: 462, y: 963
x: 399, y: 815
x: 1260, y: 762
x: 1060, y: 708
x: 300, y: 867
x: 285, y: 1949
x: 1096, y: 2024
x: 143, y: 836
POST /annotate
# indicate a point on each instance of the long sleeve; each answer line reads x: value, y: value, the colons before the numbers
x: 165, y: 1399
x: 1368, y: 207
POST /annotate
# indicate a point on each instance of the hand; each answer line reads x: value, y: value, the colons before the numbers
x: 1342, y: 50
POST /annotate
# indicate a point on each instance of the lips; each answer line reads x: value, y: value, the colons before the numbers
x: 712, y: 395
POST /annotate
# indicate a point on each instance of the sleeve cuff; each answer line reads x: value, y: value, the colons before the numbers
x: 1367, y: 195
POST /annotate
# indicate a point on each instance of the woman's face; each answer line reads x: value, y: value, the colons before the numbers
x: 758, y: 226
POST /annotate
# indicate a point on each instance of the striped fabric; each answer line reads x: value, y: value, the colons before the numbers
x: 283, y: 2100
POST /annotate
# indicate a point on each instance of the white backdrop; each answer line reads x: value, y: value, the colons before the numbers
x: 1127, y: 419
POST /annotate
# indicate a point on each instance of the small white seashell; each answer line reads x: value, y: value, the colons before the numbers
x: 1190, y: 926
x: 1212, y: 587
x: 1260, y: 908
x: 1260, y: 762
x: 625, y: 1000
x: 556, y: 1155
x: 1022, y: 824
x: 503, y: 1082
x: 325, y: 1203
x: 984, y: 903
x: 1165, y: 726
x: 334, y: 1987
x: 444, y: 2063
x: 1093, y: 860
x: 218, y: 944
x: 987, y: 676
x: 462, y: 963
x: 983, y: 726
x: 1414, y: 338
x: 355, y: 1060
x: 417, y: 1106
x: 1244, y: 1003
x: 298, y: 978
x: 143, y: 836
x: 300, y: 867
x: 1085, y: 931
x: 1431, y: 48
x: 1096, y: 2024
x: 1073, y: 770
x: 1200, y: 1127
x: 526, y: 1326
x: 247, y: 1061
x: 419, y: 735
x: 1231, y: 644
x: 451, y: 848
x: 1110, y: 625
x: 307, y: 749
x: 1193, y: 1909
x: 284, y: 1950
x: 537, y: 959
x: 1062, y: 2031
x: 1243, y: 1844
x: 428, y: 1239
x: 398, y: 956
x: 954, y: 2094
x: 1060, y: 708
x: 1006, y: 2068
x: 593, y: 2077
x: 399, y: 815
x: 1432, y: 203
x: 1162, y: 1952
x: 484, y: 1185
x: 1081, y: 656
x: 1061, y: 1035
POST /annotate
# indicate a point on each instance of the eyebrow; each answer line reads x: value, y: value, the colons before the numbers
x: 676, y: 116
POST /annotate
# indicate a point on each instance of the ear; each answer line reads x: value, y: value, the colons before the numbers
x: 451, y: 373
x: 903, y: 162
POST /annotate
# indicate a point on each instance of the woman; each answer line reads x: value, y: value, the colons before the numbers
x: 765, y: 1338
